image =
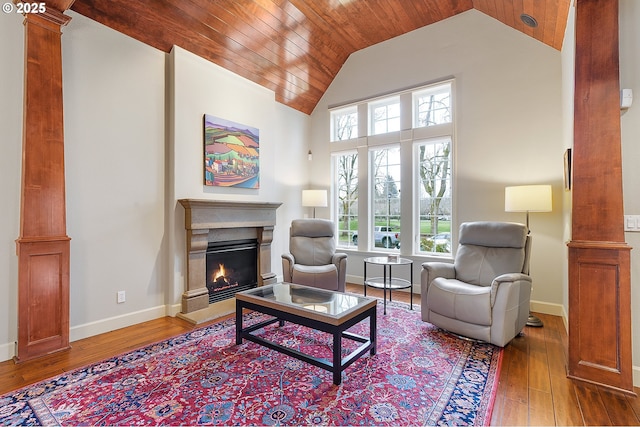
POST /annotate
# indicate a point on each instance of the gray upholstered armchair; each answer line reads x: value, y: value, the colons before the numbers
x: 485, y: 293
x: 312, y: 259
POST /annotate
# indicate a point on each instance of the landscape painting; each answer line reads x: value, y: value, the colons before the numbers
x: 231, y: 154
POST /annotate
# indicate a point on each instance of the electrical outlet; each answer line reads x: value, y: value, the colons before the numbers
x: 121, y: 297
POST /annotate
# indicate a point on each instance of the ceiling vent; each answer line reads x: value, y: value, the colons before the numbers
x: 529, y: 20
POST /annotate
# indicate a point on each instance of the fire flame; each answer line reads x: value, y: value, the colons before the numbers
x: 220, y: 273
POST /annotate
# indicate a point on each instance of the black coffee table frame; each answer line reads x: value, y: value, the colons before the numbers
x: 339, y: 363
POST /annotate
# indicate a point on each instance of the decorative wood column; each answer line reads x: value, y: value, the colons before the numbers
x: 43, y: 245
x: 599, y: 259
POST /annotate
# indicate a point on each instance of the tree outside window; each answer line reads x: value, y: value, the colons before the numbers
x: 432, y: 106
x: 386, y: 197
x: 434, y: 171
x: 347, y: 199
x: 344, y: 124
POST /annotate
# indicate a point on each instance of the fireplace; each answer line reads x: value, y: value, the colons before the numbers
x: 215, y: 223
x: 231, y: 267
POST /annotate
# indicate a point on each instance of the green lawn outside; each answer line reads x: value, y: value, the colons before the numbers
x: 425, y: 227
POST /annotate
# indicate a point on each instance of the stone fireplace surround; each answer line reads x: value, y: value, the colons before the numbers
x: 219, y: 221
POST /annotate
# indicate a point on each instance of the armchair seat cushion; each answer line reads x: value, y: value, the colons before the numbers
x: 462, y: 301
x: 319, y: 276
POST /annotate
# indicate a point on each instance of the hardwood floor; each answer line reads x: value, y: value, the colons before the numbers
x: 533, y: 387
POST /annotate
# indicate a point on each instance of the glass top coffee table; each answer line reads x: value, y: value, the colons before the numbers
x: 323, y: 310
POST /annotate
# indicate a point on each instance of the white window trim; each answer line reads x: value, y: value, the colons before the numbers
x: 352, y: 109
x: 441, y: 88
x: 407, y: 138
x: 386, y: 102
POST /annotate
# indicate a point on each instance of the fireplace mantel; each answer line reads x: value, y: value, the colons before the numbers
x: 215, y: 221
x: 206, y: 214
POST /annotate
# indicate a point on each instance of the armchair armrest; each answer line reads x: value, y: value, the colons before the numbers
x: 431, y: 270
x: 339, y: 259
x: 510, y: 279
x: 288, y: 260
x: 510, y: 299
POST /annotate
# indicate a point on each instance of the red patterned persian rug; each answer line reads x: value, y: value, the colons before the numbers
x: 420, y: 375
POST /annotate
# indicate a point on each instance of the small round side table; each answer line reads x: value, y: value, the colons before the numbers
x: 387, y: 281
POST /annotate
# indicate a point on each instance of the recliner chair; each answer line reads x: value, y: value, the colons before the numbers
x: 312, y: 259
x: 485, y: 293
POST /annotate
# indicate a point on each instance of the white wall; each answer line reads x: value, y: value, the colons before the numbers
x: 114, y: 145
x: 200, y: 87
x: 630, y: 128
x: 11, y: 88
x: 508, y: 124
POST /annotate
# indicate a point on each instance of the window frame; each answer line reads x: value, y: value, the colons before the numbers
x: 432, y: 90
x: 386, y: 102
x: 406, y: 138
x: 343, y: 112
x: 337, y: 214
x: 440, y: 248
x: 390, y: 237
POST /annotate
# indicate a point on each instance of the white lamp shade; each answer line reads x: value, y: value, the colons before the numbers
x: 527, y: 198
x: 314, y: 198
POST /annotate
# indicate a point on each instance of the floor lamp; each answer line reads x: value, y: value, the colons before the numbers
x: 314, y: 199
x: 528, y: 198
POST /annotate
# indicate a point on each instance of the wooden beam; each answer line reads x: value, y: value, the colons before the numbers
x: 43, y: 245
x: 599, y: 259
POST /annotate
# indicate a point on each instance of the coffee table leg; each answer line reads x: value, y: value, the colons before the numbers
x: 411, y: 288
x: 364, y: 283
x: 373, y: 331
x: 337, y: 358
x: 238, y: 323
x: 390, y: 281
x: 384, y: 286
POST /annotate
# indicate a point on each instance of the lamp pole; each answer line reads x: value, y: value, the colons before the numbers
x: 528, y: 198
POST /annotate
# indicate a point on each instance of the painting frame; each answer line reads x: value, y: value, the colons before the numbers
x: 231, y: 153
x: 567, y: 170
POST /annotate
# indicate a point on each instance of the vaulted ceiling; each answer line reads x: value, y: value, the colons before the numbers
x: 296, y: 47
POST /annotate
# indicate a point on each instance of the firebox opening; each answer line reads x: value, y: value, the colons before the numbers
x: 232, y: 266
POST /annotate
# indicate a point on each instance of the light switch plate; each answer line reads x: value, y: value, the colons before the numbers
x: 632, y: 223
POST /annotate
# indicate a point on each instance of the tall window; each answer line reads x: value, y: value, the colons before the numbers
x: 425, y: 115
x: 385, y: 200
x: 347, y: 199
x: 433, y: 159
x: 344, y: 124
x: 384, y: 115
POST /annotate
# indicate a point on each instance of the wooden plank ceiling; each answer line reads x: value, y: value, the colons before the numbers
x: 296, y: 47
